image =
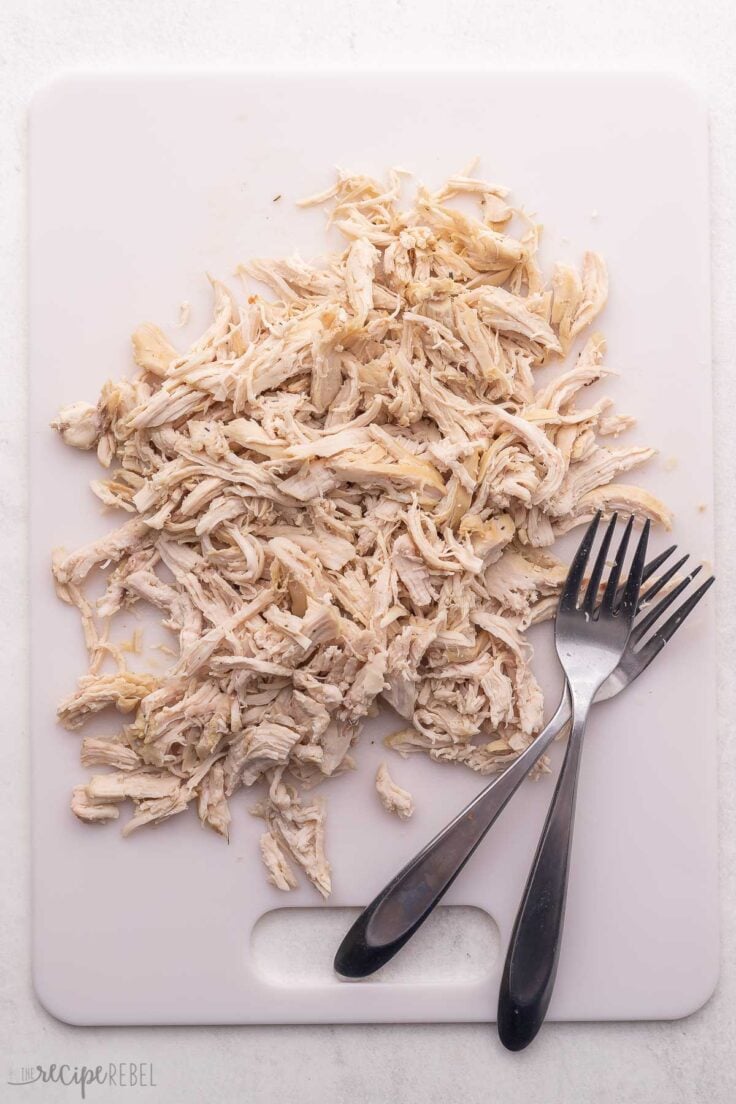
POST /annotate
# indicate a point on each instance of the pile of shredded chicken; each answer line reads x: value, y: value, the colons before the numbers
x: 342, y: 495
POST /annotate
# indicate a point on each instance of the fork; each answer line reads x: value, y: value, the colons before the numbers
x: 590, y: 637
x: 396, y: 913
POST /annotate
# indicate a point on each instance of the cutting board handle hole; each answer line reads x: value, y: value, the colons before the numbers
x: 458, y: 945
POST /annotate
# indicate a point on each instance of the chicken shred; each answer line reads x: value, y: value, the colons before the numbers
x: 343, y: 493
x: 393, y: 798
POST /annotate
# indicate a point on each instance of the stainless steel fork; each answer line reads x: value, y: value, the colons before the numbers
x: 397, y: 912
x: 590, y: 637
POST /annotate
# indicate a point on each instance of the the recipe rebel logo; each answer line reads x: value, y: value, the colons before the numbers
x: 120, y: 1075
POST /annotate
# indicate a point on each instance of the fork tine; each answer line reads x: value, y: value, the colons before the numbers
x: 654, y: 614
x: 569, y: 595
x: 609, y: 594
x: 657, y: 562
x: 673, y: 623
x: 656, y: 643
x: 591, y: 594
x: 630, y: 598
x: 649, y: 568
x: 664, y: 578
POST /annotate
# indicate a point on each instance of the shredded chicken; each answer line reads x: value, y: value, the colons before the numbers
x: 343, y: 493
x: 393, y: 798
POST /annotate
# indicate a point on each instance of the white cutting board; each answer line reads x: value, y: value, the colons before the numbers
x: 138, y: 185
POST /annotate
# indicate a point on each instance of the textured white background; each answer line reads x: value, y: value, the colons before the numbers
x: 690, y: 1061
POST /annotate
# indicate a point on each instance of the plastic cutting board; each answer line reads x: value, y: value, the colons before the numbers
x: 141, y: 184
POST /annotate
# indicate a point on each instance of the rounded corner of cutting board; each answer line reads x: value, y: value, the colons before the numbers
x: 701, y: 994
x: 58, y: 1002
x: 49, y: 95
x: 683, y: 90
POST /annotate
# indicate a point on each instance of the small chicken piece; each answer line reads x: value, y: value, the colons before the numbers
x: 92, y: 810
x: 299, y: 831
x: 139, y: 785
x: 154, y: 810
x: 620, y: 497
x: 124, y: 690
x: 268, y: 743
x: 280, y: 873
x: 361, y: 260
x: 108, y: 549
x: 79, y: 425
x: 506, y: 313
x: 594, y: 293
x: 488, y: 538
x: 393, y: 798
x: 102, y: 751
x: 413, y: 572
x: 151, y: 350
x: 567, y: 291
x: 213, y: 807
x: 521, y: 577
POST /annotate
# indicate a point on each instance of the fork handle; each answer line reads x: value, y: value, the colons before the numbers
x: 391, y: 919
x: 534, y: 951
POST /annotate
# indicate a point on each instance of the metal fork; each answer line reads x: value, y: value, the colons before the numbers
x: 396, y: 913
x: 590, y: 638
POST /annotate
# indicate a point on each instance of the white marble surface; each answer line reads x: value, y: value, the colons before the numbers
x: 689, y: 1061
